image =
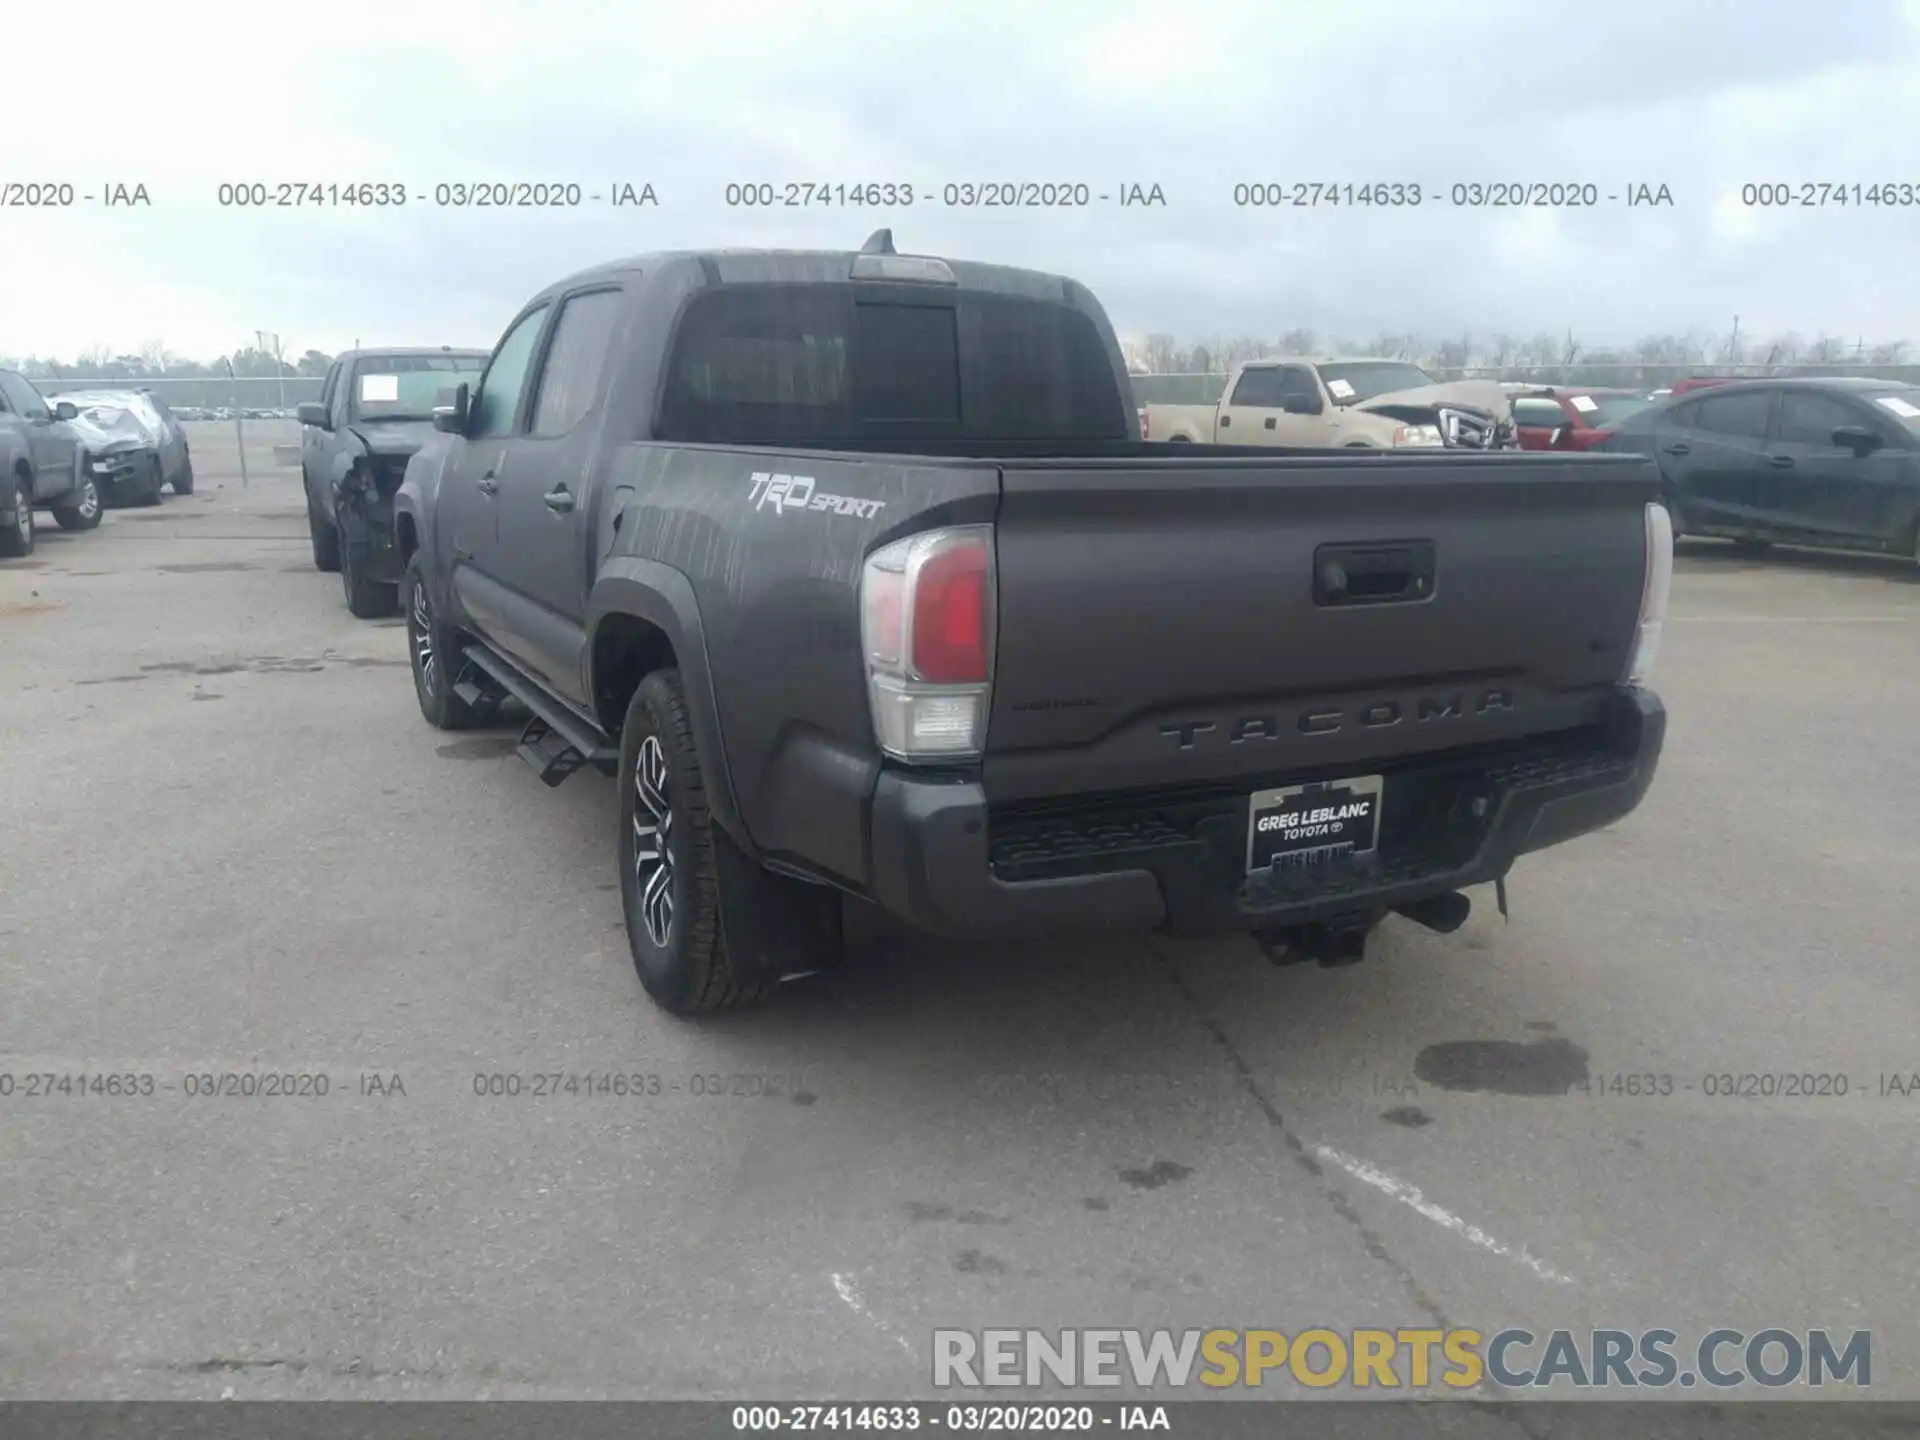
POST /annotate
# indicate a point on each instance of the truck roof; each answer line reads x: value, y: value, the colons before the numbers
x: 388, y: 352
x: 746, y: 266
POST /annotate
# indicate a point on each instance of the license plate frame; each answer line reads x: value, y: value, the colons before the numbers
x: 1334, y: 839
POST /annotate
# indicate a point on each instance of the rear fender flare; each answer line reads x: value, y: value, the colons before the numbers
x: 663, y: 597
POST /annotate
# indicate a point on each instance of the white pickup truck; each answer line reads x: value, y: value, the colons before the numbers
x: 1361, y: 402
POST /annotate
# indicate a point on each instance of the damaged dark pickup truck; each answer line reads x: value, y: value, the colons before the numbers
x: 375, y: 409
x: 849, y: 567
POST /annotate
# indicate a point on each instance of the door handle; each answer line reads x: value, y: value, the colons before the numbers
x: 1679, y: 450
x: 488, y: 485
x: 1780, y: 462
x: 1269, y: 422
x: 1226, y: 420
x: 559, y: 500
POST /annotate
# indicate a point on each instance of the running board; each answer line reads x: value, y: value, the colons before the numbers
x: 556, y: 742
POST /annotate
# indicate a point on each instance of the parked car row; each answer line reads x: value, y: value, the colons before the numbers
x: 1824, y: 461
x: 1359, y: 403
x: 74, y: 454
x: 852, y: 570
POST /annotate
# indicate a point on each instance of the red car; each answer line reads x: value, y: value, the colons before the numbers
x: 1700, y: 382
x: 1571, y: 417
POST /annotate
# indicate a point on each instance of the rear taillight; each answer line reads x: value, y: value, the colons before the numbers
x: 1654, y: 590
x: 927, y: 625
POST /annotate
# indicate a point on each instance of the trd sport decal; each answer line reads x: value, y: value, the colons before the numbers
x: 787, y: 493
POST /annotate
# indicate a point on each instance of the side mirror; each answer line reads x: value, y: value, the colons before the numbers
x: 1857, y: 438
x: 1299, y: 405
x: 315, y: 414
x: 450, y: 415
x: 65, y: 410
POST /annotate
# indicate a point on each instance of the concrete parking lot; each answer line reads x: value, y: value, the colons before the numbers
x: 229, y: 844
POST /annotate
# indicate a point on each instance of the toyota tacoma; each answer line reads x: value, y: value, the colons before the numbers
x: 850, y: 567
x: 375, y: 409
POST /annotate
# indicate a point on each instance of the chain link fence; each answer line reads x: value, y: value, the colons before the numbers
x: 258, y: 393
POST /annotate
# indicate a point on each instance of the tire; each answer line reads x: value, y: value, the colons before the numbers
x: 84, y: 513
x: 17, y: 531
x: 669, y: 878
x: 149, y: 494
x: 183, y: 482
x: 432, y: 648
x: 326, y: 541
x: 366, y: 599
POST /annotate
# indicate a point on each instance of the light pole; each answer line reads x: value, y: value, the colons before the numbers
x: 239, y: 430
x: 269, y: 341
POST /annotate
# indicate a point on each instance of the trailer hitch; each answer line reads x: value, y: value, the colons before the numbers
x: 1335, y: 941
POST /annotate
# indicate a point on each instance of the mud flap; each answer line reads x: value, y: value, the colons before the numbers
x: 774, y: 927
x: 1500, y: 896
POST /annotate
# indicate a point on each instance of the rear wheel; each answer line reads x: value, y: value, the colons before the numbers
x: 433, y: 649
x: 84, y: 512
x: 183, y: 482
x: 16, y: 527
x: 669, y: 876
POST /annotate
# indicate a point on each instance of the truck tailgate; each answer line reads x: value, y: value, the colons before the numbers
x: 1167, y: 622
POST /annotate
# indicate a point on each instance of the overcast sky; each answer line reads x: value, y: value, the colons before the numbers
x: 1198, y: 97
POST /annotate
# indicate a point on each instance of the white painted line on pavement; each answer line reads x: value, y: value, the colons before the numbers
x: 1793, y: 619
x: 849, y: 1292
x: 1410, y: 1196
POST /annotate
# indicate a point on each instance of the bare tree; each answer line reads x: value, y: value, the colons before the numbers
x: 1889, y: 354
x: 1297, y: 342
x: 1158, y: 352
x: 1827, y: 350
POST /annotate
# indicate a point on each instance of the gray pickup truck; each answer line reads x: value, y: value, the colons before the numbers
x: 849, y: 567
x: 41, y: 466
x: 375, y: 409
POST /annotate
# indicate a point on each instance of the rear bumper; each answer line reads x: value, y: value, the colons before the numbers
x: 946, y: 861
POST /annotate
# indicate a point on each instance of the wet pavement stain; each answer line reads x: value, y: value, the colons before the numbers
x: 209, y: 567
x: 1411, y: 1116
x: 207, y: 695
x: 977, y: 1262
x: 479, y: 747
x: 1097, y: 1202
x: 921, y: 1211
x: 804, y: 1097
x: 1504, y: 1067
x: 1542, y: 1027
x: 1161, y: 1172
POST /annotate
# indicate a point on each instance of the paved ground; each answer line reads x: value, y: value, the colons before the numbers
x: 229, y: 844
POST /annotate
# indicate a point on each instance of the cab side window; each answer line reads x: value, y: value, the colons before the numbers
x: 1742, y: 415
x: 1259, y: 388
x: 1546, y: 414
x: 498, y: 404
x: 1301, y: 390
x: 576, y: 358
x: 1809, y: 420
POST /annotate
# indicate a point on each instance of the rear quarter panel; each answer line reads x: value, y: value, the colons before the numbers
x: 1193, y: 423
x: 777, y: 591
